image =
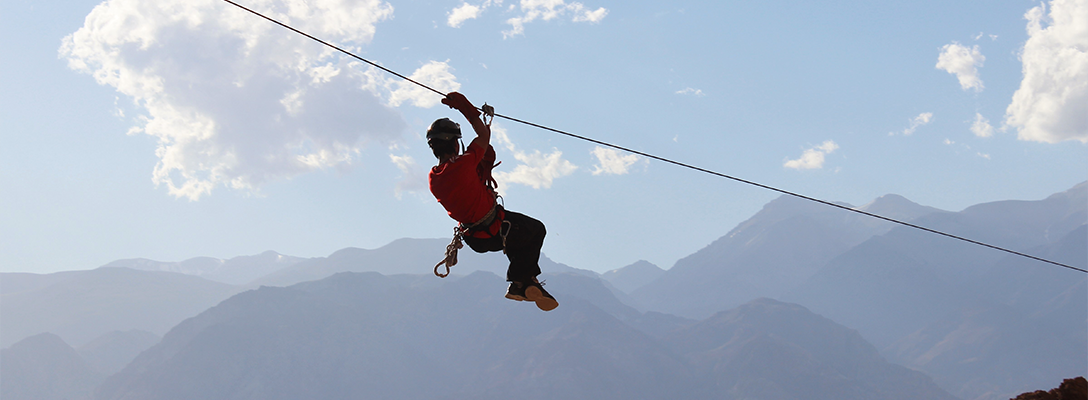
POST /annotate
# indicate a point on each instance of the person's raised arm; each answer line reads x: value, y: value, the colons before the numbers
x: 461, y: 103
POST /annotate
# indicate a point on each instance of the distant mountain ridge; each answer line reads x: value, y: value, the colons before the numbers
x: 783, y: 351
x: 44, y: 367
x: 971, y: 316
x: 401, y: 256
x: 80, y: 306
x: 235, y: 271
x: 364, y: 333
x: 769, y: 254
x: 983, y: 324
x: 633, y: 276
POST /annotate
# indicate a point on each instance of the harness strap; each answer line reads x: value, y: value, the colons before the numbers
x: 504, y: 230
x: 485, y: 221
x: 456, y: 244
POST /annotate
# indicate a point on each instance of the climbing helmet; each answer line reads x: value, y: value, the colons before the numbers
x: 443, y: 129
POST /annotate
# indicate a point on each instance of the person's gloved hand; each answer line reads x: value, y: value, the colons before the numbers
x: 461, y: 103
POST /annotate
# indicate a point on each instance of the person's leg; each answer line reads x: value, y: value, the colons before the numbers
x: 523, y: 243
x: 524, y: 238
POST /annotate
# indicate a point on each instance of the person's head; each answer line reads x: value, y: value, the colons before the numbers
x: 443, y: 137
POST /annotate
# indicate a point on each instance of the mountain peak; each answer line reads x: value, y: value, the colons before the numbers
x: 898, y: 207
x: 633, y: 276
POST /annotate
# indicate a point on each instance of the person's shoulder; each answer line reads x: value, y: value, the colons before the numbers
x: 475, y: 150
x: 478, y: 145
x: 441, y: 167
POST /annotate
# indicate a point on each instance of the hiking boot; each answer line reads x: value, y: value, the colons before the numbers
x: 516, y: 291
x: 534, y: 291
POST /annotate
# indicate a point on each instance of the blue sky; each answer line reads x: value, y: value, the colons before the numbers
x: 173, y: 129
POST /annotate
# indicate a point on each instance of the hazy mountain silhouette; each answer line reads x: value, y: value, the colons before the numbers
x: 1029, y: 330
x: 20, y: 282
x: 44, y: 367
x: 774, y: 350
x: 910, y: 278
x: 83, y: 305
x: 769, y: 254
x: 367, y: 335
x: 235, y: 271
x: 633, y: 276
x: 982, y: 323
x: 370, y: 335
x: 113, y: 351
x: 986, y: 324
x: 401, y: 256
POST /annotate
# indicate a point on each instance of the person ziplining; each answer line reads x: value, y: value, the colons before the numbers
x: 463, y: 184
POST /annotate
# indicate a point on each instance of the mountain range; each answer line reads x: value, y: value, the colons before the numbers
x: 375, y: 336
x: 755, y: 314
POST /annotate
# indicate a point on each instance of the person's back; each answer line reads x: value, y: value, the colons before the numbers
x: 462, y: 183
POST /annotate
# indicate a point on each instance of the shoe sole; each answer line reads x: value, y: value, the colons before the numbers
x: 543, y: 302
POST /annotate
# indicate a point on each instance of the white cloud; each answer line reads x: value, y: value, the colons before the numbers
x: 981, y: 127
x: 434, y: 74
x: 813, y: 158
x: 691, y: 91
x: 548, y: 10
x: 1051, y: 103
x: 962, y: 62
x: 915, y: 122
x: 536, y: 169
x: 235, y: 100
x: 581, y: 14
x: 413, y: 179
x: 530, y: 10
x: 611, y: 162
x: 459, y: 15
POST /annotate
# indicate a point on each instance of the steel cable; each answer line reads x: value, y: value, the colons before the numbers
x: 677, y: 163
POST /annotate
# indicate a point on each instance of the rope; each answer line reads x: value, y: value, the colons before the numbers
x: 677, y: 163
x: 458, y: 231
x: 451, y: 254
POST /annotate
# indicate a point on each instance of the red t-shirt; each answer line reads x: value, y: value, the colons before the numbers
x: 458, y: 187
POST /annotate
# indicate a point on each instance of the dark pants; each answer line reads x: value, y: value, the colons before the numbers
x: 524, y: 238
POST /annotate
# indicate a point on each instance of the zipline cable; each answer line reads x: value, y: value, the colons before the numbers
x: 677, y: 163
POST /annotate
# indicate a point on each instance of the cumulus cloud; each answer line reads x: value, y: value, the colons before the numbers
x: 527, y: 11
x: 813, y: 158
x: 981, y: 127
x: 612, y: 162
x: 915, y: 122
x: 963, y: 62
x: 536, y: 169
x: 1051, y: 103
x: 236, y: 101
x: 434, y: 74
x: 550, y: 9
x: 459, y: 15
